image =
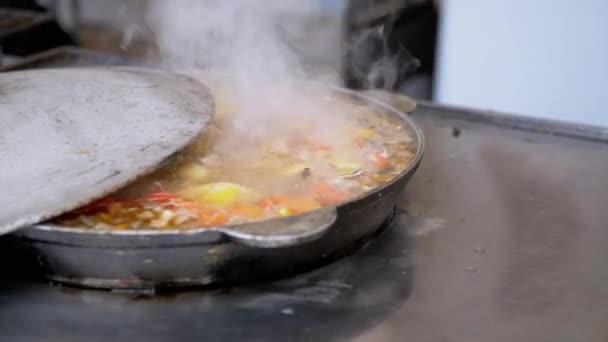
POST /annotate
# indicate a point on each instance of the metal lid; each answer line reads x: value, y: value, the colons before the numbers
x: 69, y: 136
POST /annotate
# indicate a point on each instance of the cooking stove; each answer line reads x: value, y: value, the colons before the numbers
x: 28, y: 31
x: 12, y: 22
x: 500, y: 236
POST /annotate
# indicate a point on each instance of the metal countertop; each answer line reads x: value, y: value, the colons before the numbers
x: 502, y: 235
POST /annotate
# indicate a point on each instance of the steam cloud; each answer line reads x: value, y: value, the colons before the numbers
x: 251, y: 44
x: 249, y: 41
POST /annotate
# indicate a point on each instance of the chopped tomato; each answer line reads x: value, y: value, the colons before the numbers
x: 328, y: 194
x: 168, y: 200
x: 380, y: 160
x: 161, y: 197
x: 94, y: 207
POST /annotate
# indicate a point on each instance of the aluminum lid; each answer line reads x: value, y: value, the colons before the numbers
x: 69, y: 136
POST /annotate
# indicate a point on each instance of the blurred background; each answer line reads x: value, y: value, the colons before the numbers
x: 537, y: 58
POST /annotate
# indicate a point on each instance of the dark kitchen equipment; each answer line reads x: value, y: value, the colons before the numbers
x: 28, y: 31
x: 390, y: 44
x: 70, y: 56
x: 68, y: 136
x: 13, y: 21
x: 223, y: 255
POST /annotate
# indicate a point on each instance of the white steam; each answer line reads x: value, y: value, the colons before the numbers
x: 251, y: 44
x: 248, y: 40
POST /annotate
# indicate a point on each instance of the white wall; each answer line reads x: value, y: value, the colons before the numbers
x: 546, y: 58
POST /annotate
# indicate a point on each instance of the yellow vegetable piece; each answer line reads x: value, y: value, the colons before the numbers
x: 194, y: 172
x: 220, y: 194
x: 345, y: 166
x: 284, y: 212
x: 364, y: 133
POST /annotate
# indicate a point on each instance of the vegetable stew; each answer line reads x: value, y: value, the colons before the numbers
x: 231, y: 177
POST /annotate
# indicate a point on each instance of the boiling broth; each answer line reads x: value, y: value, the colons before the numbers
x: 237, y: 174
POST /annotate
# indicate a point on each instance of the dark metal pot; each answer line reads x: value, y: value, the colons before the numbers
x: 225, y: 255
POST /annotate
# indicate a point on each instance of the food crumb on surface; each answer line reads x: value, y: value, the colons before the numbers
x: 288, y: 311
x: 470, y: 269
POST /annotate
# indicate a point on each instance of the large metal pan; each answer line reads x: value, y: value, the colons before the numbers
x: 222, y: 255
x: 69, y: 136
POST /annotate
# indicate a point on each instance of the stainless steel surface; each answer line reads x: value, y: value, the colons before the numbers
x: 70, y: 136
x: 148, y: 259
x: 502, y: 237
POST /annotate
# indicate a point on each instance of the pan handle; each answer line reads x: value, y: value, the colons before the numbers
x: 283, y: 232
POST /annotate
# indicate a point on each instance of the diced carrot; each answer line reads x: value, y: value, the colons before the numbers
x: 217, y: 218
x: 380, y: 160
x: 328, y: 194
x: 178, y: 204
